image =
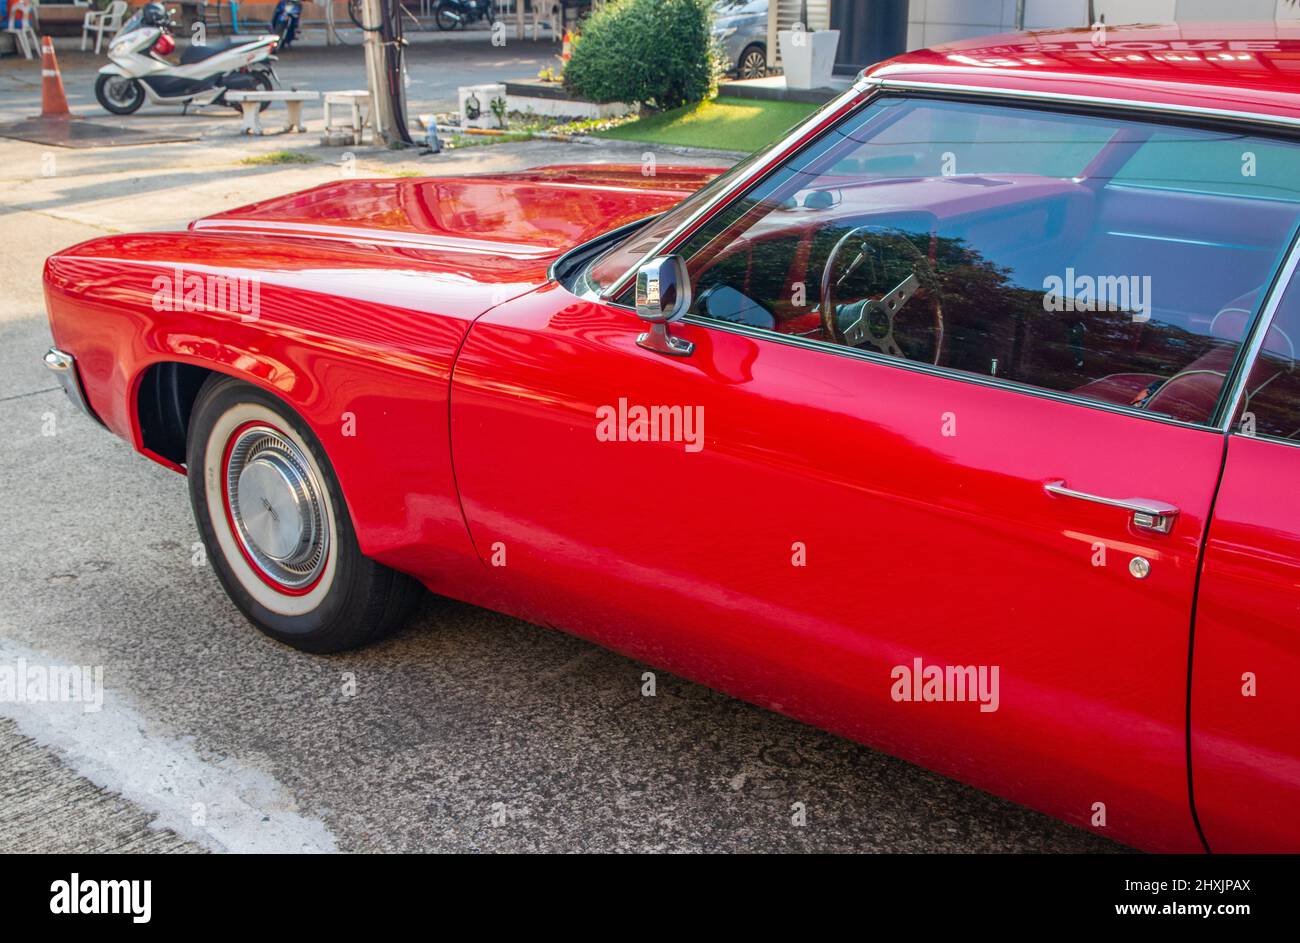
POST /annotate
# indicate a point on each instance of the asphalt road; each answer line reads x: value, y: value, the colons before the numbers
x: 468, y: 732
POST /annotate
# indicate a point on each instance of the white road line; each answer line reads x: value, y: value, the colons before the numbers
x: 221, y: 806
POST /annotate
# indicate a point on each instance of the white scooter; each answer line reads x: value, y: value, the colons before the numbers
x: 138, y: 68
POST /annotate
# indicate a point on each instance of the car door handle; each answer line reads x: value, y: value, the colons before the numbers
x: 1147, y: 514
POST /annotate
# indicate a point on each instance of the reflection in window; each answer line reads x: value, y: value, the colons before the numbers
x: 1271, y: 406
x: 1098, y: 256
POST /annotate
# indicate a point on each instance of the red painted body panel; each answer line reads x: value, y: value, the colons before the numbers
x: 422, y: 310
x: 1246, y: 749
x: 361, y: 324
x: 919, y: 545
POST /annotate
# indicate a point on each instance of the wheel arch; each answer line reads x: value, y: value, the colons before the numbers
x: 164, y: 393
x: 164, y: 401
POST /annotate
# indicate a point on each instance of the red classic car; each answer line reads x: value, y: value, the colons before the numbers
x: 959, y: 422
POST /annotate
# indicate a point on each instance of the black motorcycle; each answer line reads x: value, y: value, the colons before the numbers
x: 285, y: 22
x: 450, y: 14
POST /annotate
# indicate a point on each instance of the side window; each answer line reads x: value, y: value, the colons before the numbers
x: 1099, y: 256
x: 1271, y: 406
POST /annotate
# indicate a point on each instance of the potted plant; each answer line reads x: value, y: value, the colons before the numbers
x: 808, y: 56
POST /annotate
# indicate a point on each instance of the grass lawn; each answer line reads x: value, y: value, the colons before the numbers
x: 729, y: 124
x: 280, y: 157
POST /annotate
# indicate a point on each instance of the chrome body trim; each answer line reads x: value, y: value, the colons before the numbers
x: 942, y: 373
x: 64, y: 367
x: 1147, y: 514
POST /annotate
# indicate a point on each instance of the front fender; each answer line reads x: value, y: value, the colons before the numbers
x: 361, y: 350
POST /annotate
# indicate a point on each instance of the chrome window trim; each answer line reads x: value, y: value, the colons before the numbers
x: 1271, y: 440
x: 888, y: 84
x: 625, y: 230
x: 942, y: 373
x: 1253, y: 343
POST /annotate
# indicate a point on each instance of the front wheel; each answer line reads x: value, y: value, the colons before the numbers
x: 119, y: 94
x: 273, y: 521
x: 445, y: 18
x: 753, y: 63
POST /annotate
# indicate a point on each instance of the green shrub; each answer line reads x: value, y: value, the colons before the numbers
x: 652, y: 52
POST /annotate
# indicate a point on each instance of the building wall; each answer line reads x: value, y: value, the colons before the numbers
x: 782, y: 14
x: 259, y: 11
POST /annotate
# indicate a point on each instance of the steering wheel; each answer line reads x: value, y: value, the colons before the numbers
x: 899, y: 276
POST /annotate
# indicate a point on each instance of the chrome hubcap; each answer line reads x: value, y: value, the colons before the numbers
x: 277, y: 506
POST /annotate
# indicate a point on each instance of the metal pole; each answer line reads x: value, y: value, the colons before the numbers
x: 331, y: 33
x: 386, y: 70
x: 381, y: 112
x: 1020, y: 14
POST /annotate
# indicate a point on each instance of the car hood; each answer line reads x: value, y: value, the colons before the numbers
x: 448, y: 246
x: 491, y: 228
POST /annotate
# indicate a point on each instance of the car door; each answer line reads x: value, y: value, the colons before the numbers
x: 985, y: 566
x: 1245, y: 708
x: 842, y: 519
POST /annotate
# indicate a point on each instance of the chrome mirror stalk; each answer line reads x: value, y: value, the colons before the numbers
x: 663, y: 295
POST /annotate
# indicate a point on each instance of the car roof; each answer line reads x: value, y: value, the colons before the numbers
x: 1247, y: 69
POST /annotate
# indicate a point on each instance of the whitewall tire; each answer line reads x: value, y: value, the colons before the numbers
x: 276, y: 528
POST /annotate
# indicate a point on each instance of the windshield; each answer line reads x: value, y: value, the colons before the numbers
x: 609, y: 268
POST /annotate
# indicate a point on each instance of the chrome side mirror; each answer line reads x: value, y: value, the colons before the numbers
x: 663, y: 295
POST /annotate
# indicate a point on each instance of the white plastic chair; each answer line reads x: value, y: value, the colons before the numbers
x: 110, y: 21
x: 20, y: 24
x: 547, y: 14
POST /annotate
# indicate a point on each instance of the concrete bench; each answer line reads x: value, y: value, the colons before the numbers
x: 251, y: 104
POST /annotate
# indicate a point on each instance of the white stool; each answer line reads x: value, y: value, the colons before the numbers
x: 355, y: 106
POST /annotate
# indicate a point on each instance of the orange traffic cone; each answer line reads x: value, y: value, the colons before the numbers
x: 566, y: 51
x: 54, y: 104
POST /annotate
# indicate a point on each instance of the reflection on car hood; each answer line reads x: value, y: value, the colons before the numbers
x: 494, y: 226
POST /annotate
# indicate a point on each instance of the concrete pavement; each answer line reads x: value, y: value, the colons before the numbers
x: 468, y: 732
